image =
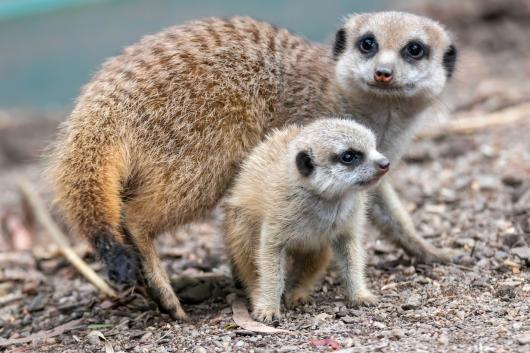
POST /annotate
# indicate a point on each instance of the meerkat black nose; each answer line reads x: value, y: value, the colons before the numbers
x: 383, y: 75
x: 382, y: 165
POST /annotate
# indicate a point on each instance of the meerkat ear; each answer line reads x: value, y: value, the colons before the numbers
x: 340, y: 43
x: 304, y: 163
x: 449, y: 60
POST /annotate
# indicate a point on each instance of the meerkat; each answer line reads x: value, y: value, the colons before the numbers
x: 299, y: 194
x: 157, y: 135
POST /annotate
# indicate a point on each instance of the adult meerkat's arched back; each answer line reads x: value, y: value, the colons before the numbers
x: 157, y: 135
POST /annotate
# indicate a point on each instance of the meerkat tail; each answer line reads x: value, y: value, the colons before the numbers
x: 87, y: 189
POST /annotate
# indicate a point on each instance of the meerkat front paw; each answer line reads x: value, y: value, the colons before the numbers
x: 363, y: 298
x: 297, y: 298
x: 266, y: 314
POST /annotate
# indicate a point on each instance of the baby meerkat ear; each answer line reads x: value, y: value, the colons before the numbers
x: 304, y: 163
x: 340, y: 43
x: 449, y: 60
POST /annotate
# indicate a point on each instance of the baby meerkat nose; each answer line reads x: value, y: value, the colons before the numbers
x: 382, y: 165
x: 383, y: 75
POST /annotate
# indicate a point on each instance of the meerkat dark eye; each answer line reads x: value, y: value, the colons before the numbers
x: 350, y: 157
x: 368, y: 44
x: 415, y: 50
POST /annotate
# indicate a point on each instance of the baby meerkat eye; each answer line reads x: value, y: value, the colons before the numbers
x: 368, y: 44
x: 350, y: 157
x: 415, y: 50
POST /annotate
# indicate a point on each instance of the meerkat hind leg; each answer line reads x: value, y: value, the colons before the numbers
x: 155, y: 277
x: 393, y: 220
x: 306, y: 269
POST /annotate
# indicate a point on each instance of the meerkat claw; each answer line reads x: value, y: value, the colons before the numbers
x: 363, y: 298
x: 178, y: 314
x: 296, y: 298
x: 266, y: 315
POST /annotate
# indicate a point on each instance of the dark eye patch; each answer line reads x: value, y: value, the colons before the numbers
x: 449, y: 60
x: 304, y: 163
x: 415, y: 50
x: 340, y: 43
x: 367, y: 45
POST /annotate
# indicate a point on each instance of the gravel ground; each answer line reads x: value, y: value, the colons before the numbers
x: 468, y: 192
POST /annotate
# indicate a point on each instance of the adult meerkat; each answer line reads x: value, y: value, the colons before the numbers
x: 158, y: 133
x: 301, y: 193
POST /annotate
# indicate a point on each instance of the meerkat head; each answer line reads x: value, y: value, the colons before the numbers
x: 335, y: 156
x: 393, y: 54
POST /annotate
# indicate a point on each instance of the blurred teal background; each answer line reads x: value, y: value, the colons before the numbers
x: 50, y: 48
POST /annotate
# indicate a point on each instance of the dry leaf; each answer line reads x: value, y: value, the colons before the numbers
x: 242, y: 319
x: 388, y: 286
x: 59, y: 330
x: 326, y: 342
x: 107, y: 304
x: 99, y: 334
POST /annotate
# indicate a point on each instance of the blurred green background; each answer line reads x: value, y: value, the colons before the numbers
x: 50, y: 48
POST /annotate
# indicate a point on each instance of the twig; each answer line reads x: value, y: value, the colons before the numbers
x: 60, y: 239
x: 10, y: 298
x: 468, y: 125
x: 59, y: 330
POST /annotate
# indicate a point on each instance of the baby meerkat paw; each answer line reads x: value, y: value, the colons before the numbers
x: 363, y: 298
x: 267, y: 315
x: 298, y: 298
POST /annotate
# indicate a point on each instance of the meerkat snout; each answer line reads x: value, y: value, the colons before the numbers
x: 383, y: 74
x: 382, y: 164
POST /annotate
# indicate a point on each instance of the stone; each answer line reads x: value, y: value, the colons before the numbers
x: 348, y: 319
x: 413, y: 302
x: 197, y: 293
x: 522, y: 252
x: 485, y: 183
x: 523, y: 339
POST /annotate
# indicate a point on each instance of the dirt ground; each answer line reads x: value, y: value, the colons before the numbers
x: 465, y: 191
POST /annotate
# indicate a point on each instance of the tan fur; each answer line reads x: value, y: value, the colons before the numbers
x: 157, y: 135
x: 280, y: 224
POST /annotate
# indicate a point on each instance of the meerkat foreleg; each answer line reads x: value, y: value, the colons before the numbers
x: 271, y: 266
x: 308, y: 268
x: 239, y: 236
x: 392, y: 219
x: 350, y: 257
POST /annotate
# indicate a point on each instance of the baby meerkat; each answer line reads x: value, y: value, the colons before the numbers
x: 157, y: 135
x: 299, y: 194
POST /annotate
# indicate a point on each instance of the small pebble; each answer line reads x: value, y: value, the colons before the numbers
x: 379, y: 325
x: 523, y: 339
x: 413, y: 302
x: 409, y: 271
x: 348, y: 319
x: 522, y: 252
x: 93, y: 340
